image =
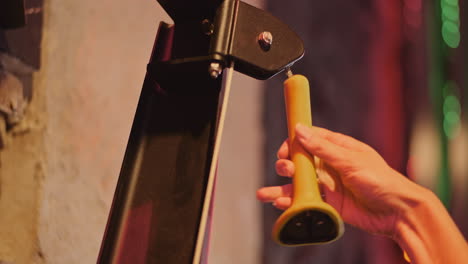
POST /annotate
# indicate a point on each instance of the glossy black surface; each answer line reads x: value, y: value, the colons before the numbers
x: 159, y: 197
x: 309, y: 227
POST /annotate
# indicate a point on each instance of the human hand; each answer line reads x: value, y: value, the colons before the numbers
x: 355, y: 179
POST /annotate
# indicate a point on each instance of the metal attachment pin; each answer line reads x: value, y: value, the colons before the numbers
x: 289, y: 73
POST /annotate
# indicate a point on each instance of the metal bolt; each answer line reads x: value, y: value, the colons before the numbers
x: 207, y: 27
x: 215, y: 70
x: 265, y: 39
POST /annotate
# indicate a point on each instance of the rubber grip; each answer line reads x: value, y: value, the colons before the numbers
x: 298, y: 110
x: 309, y: 220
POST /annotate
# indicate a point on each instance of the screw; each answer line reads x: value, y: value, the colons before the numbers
x: 265, y: 39
x: 215, y: 69
x: 207, y: 27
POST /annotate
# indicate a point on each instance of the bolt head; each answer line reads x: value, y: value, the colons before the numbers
x: 207, y: 27
x: 265, y: 40
x: 215, y: 70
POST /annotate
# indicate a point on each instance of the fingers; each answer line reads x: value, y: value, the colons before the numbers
x: 280, y: 196
x: 285, y: 167
x: 283, y: 152
x: 270, y: 194
x: 325, y: 176
x: 333, y: 197
x: 282, y: 203
x: 317, y: 145
x: 338, y: 139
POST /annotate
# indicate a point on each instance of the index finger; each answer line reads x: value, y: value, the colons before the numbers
x: 339, y: 139
x: 334, y: 154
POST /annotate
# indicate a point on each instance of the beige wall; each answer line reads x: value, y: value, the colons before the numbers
x: 94, y: 59
x: 236, y: 228
x: 94, y: 54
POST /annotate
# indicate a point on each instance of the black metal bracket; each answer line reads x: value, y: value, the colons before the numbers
x: 259, y: 44
x: 158, y: 214
x: 12, y: 14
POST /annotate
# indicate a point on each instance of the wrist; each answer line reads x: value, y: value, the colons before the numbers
x: 427, y: 233
x: 412, y: 230
x: 409, y: 201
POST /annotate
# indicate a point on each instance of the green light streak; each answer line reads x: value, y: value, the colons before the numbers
x: 451, y: 124
x: 450, y: 23
x: 451, y: 13
x: 450, y: 2
x: 451, y: 104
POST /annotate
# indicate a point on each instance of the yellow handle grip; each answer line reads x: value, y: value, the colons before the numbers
x: 309, y: 220
x: 298, y: 110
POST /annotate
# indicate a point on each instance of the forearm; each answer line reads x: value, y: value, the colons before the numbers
x: 428, y: 234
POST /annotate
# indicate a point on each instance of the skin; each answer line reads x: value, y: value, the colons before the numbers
x: 372, y: 196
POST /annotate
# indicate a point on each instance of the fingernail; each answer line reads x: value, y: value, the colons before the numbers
x: 301, y: 132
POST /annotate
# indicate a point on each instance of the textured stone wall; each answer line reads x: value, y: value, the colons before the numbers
x: 22, y: 170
